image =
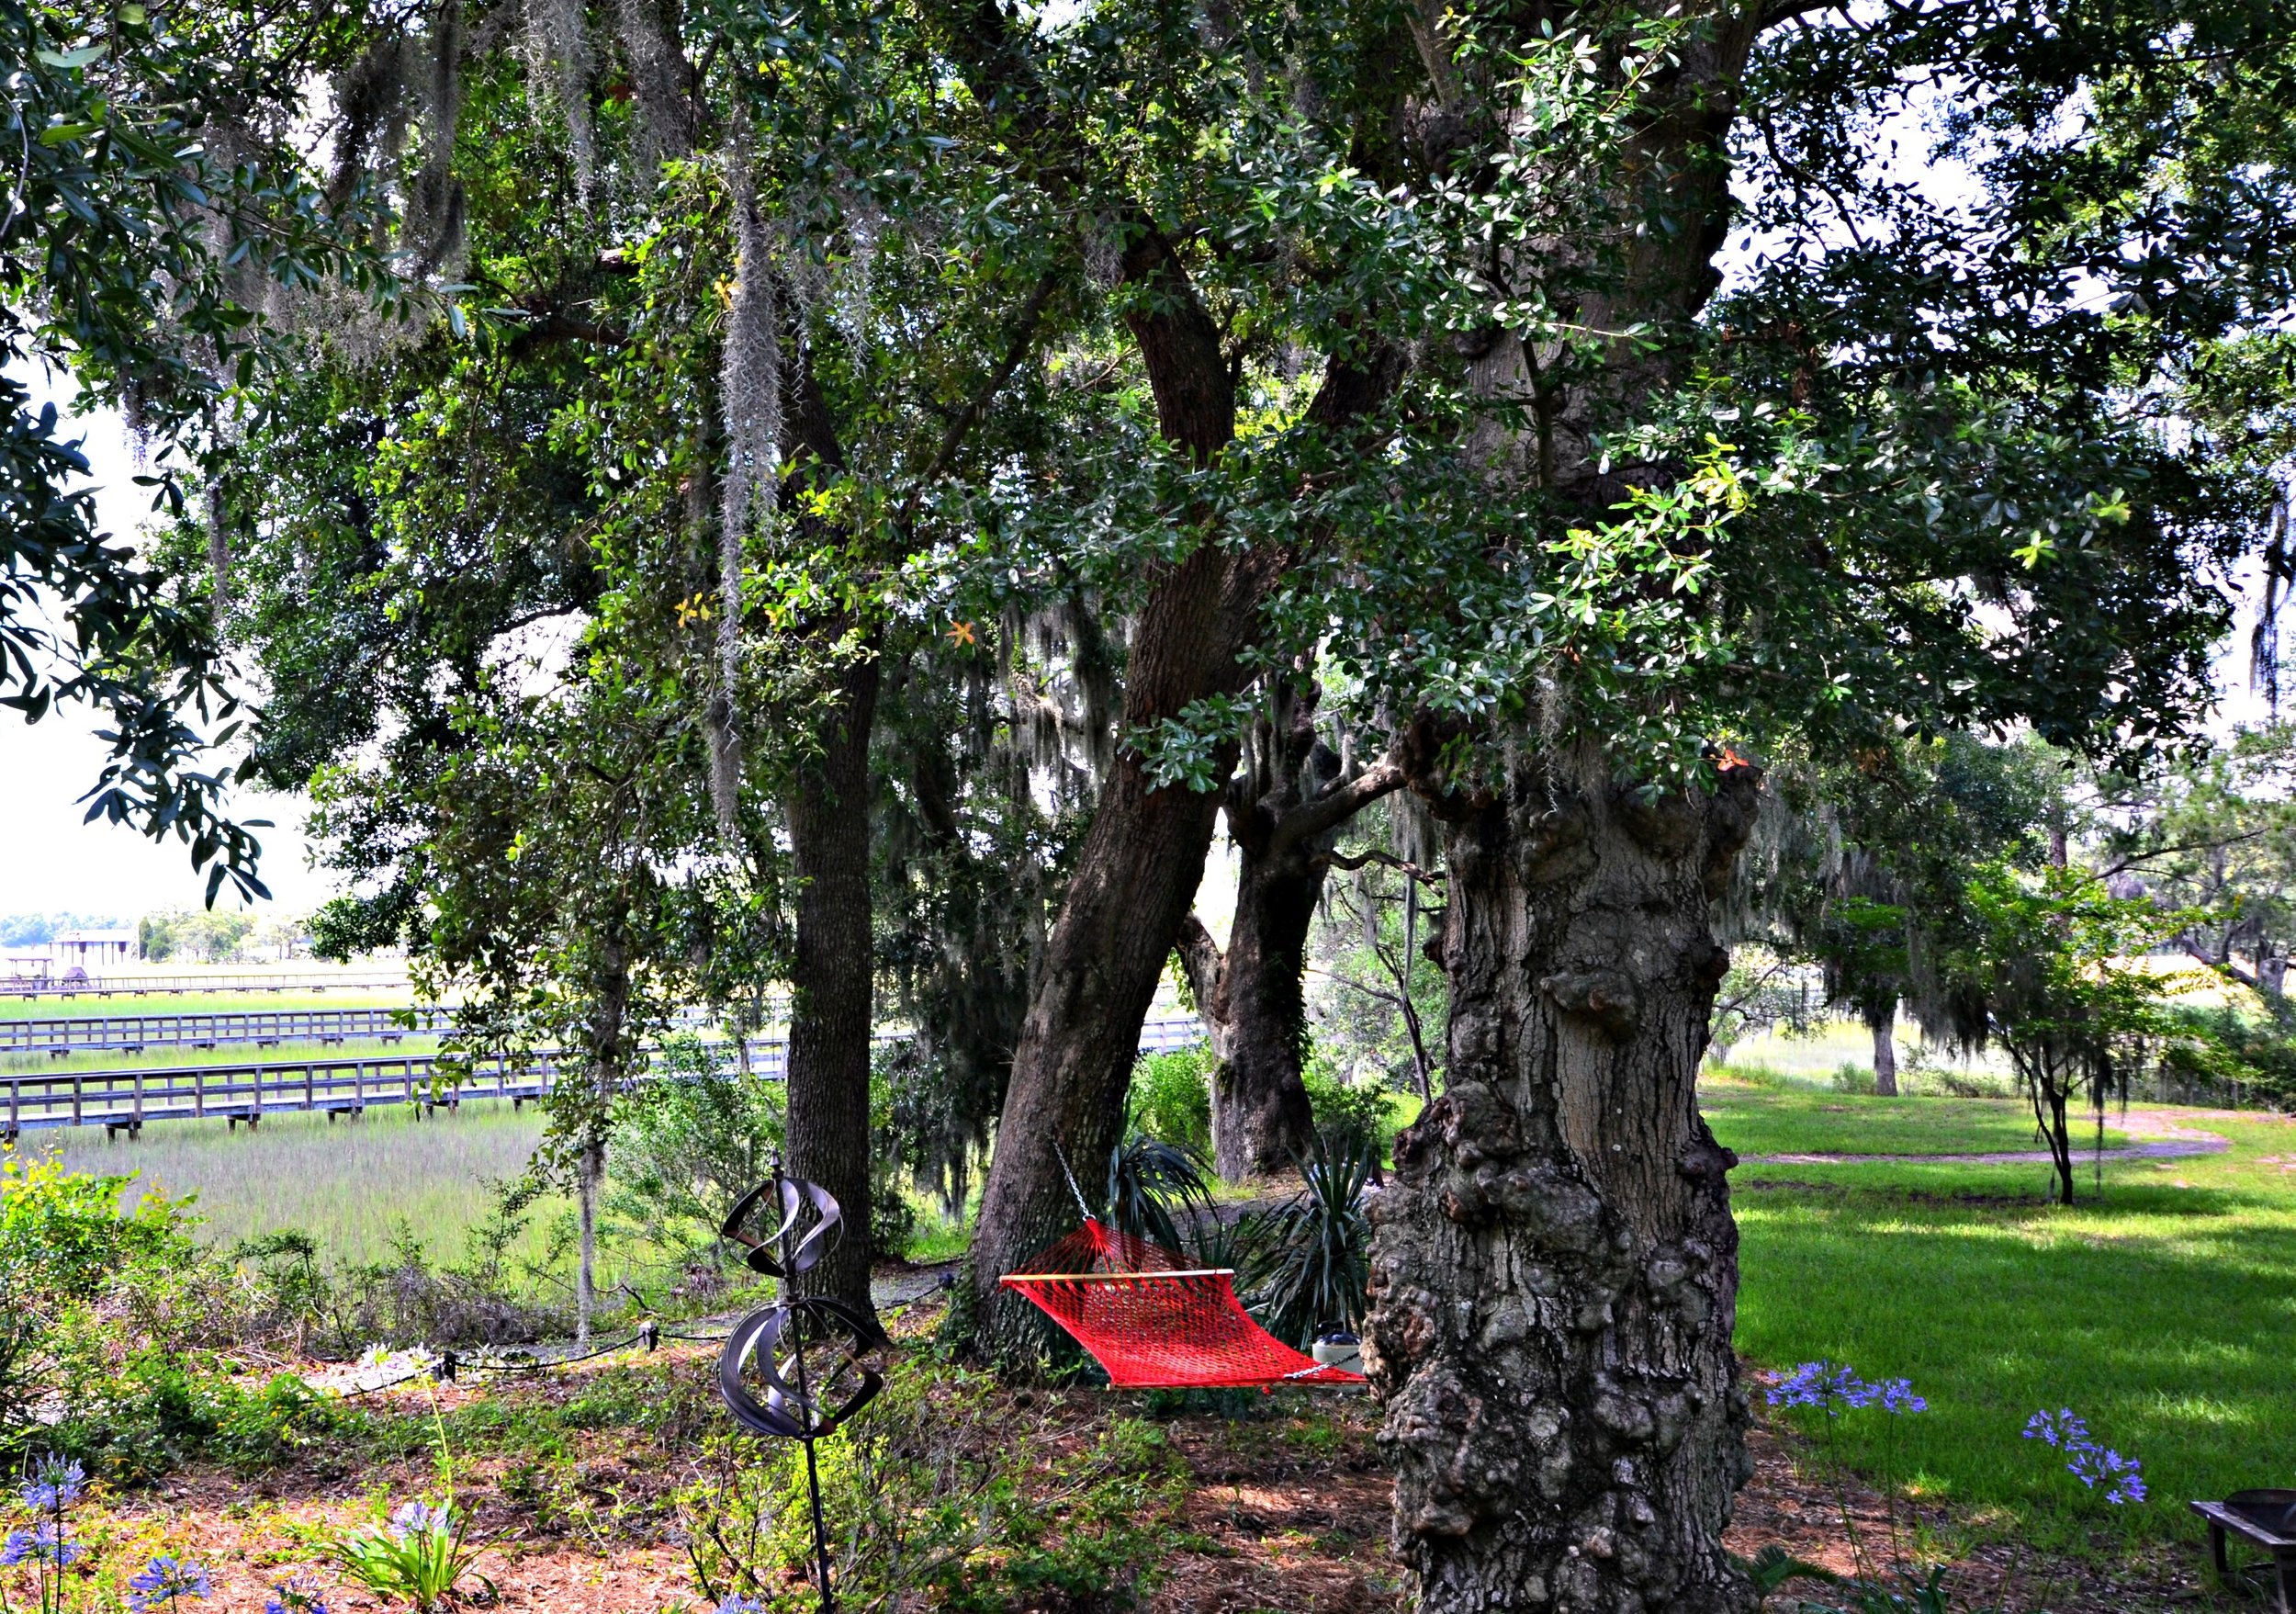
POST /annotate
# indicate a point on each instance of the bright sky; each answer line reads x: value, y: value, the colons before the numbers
x: 51, y: 860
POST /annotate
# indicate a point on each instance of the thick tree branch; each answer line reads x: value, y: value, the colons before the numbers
x: 1342, y: 802
x: 1200, y: 960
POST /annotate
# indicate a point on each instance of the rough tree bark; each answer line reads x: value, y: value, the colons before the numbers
x: 1555, y: 1272
x: 832, y: 976
x: 1883, y: 1024
x: 1283, y: 810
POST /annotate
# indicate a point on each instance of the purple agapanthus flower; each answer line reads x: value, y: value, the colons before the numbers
x: 2063, y: 1429
x: 165, y: 1580
x: 421, y: 1518
x: 739, y: 1605
x: 1832, y: 1388
x: 54, y: 1485
x: 2122, y: 1478
x: 299, y: 1595
x: 44, y: 1544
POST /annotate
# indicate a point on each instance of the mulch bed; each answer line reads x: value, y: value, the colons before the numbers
x: 1287, y: 1512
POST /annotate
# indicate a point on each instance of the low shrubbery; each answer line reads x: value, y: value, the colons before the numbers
x: 929, y: 1507
x: 1171, y: 1097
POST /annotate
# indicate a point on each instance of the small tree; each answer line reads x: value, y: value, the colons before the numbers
x: 2049, y: 967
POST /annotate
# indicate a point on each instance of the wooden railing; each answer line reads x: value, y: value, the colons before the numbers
x: 132, y: 1034
x: 126, y: 1100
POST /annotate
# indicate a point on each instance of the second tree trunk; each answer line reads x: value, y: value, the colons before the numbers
x: 831, y: 980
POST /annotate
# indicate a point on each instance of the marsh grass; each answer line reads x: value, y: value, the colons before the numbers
x: 352, y: 1184
x: 2162, y: 1310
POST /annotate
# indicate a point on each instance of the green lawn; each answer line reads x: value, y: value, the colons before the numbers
x: 1769, y: 1121
x: 2162, y: 1311
x: 50, y: 1007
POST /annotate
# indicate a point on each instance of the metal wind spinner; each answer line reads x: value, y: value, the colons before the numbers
x: 808, y: 1353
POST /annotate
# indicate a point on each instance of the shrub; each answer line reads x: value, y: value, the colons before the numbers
x: 1171, y: 1097
x: 933, y: 1498
x: 1852, y: 1078
x: 1350, y: 1115
x: 686, y: 1149
x: 69, y: 1255
x: 1308, y: 1262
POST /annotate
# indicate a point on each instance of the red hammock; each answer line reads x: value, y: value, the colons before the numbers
x: 1156, y: 1325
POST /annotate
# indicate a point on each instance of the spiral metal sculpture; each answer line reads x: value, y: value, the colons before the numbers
x: 798, y: 1369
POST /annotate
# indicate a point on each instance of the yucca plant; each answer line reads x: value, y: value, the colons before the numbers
x: 1308, y: 1263
x: 1149, y: 1180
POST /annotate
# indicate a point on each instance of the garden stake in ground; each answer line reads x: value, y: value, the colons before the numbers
x: 791, y: 1407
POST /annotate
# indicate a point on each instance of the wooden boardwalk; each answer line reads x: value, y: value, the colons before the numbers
x: 124, y: 1100
x: 133, y: 1033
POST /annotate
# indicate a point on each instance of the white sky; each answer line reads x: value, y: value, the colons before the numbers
x: 52, y: 863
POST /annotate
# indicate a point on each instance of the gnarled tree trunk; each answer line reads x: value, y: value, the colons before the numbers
x: 1283, y: 812
x: 1555, y: 1275
x: 1883, y: 1025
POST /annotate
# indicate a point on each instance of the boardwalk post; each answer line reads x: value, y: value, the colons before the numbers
x: 137, y: 1130
x: 199, y: 1094
x: 75, y: 1098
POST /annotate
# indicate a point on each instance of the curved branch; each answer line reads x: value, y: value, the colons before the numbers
x: 1342, y: 802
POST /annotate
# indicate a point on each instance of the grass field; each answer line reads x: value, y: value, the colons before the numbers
x: 352, y: 1184
x: 2162, y: 1311
x: 1770, y: 1121
x: 48, y: 1007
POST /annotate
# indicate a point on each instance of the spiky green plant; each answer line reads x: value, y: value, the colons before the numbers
x: 1308, y: 1263
x: 1148, y: 1181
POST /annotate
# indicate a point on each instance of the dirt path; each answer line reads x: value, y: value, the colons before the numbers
x: 2160, y: 1136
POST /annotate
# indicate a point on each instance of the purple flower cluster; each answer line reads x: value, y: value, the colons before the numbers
x: 419, y: 1518
x: 164, y: 1581
x: 2093, y: 1465
x: 1833, y: 1389
x: 739, y: 1605
x: 54, y: 1485
x: 301, y: 1594
x: 44, y: 1545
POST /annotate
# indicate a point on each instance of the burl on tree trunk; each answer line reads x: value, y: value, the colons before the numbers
x: 1555, y: 1271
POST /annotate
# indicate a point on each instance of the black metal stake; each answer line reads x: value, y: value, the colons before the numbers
x: 805, y: 1420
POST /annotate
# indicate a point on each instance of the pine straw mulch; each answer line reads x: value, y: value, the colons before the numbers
x: 1285, y: 1508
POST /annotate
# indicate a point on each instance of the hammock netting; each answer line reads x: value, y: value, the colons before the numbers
x: 1154, y: 1323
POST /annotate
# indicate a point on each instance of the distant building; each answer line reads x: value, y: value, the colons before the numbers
x: 26, y: 965
x: 93, y: 950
